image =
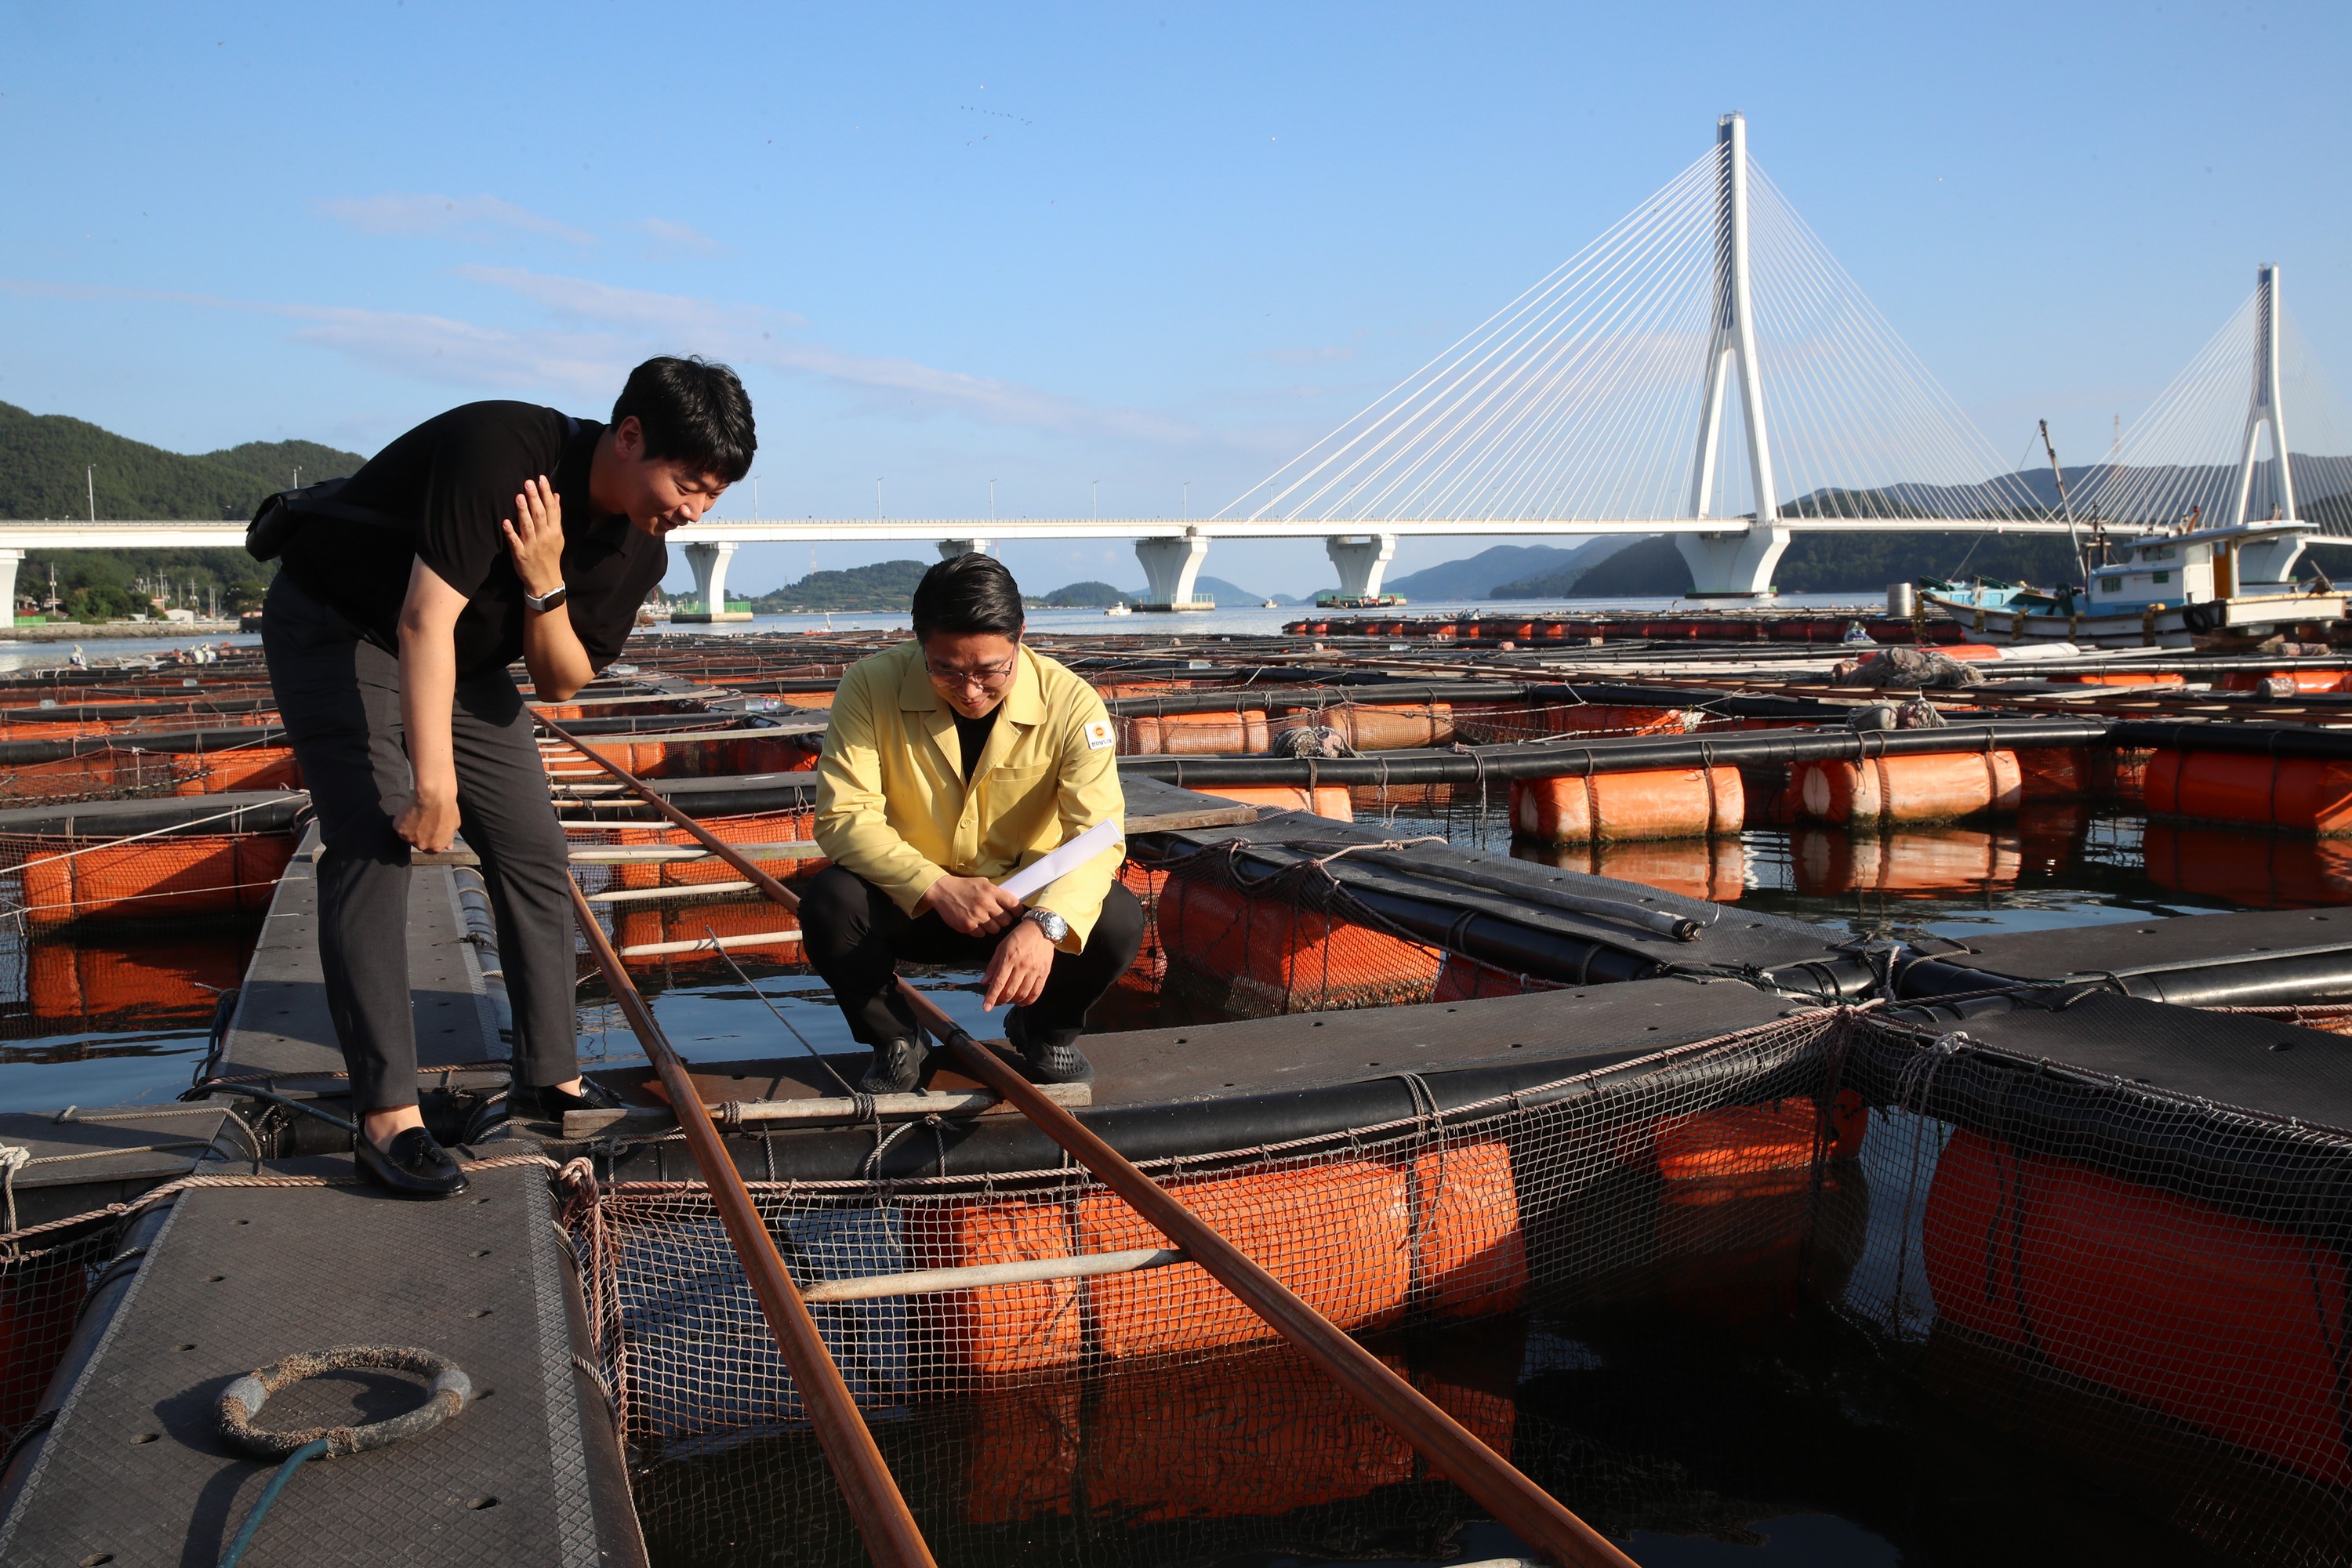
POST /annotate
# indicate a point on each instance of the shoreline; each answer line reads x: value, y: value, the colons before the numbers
x: 109, y: 631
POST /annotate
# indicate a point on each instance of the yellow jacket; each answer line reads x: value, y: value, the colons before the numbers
x: 892, y: 804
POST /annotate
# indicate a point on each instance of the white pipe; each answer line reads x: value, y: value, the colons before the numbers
x: 933, y: 1281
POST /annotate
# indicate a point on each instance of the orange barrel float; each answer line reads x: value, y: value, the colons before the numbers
x: 1937, y: 786
x: 1373, y: 727
x: 65, y: 878
x: 1324, y: 800
x: 1915, y: 865
x: 2053, y: 773
x: 257, y: 767
x: 2226, y: 1324
x: 2301, y: 794
x: 1192, y: 734
x: 2298, y: 680
x: 1603, y: 718
x: 1258, y: 957
x: 700, y: 922
x: 1668, y: 803
x: 2255, y: 872
x: 1362, y: 1240
x: 757, y: 827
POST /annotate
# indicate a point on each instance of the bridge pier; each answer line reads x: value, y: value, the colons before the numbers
x: 1361, y: 564
x: 709, y: 560
x: 9, y: 560
x: 951, y: 548
x: 1733, y: 565
x: 1171, y: 567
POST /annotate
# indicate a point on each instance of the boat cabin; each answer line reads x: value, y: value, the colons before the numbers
x: 2197, y: 567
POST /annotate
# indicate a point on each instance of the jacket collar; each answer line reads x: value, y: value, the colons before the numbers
x: 1025, y: 705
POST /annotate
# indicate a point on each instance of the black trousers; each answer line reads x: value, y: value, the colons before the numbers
x: 339, y: 697
x: 855, y: 935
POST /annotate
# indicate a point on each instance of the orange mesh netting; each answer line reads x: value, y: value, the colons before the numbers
x: 62, y: 878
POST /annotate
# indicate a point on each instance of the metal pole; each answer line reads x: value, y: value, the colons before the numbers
x: 892, y: 1537
x: 2082, y: 562
x: 1492, y: 1480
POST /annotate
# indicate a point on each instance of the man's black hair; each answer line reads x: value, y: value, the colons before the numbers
x: 966, y: 595
x: 693, y: 411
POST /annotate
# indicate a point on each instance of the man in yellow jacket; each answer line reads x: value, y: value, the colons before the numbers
x: 951, y: 762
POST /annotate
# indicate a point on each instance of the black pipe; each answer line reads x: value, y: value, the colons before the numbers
x: 1217, y: 699
x: 2271, y: 739
x: 25, y: 753
x: 243, y: 811
x: 1630, y: 753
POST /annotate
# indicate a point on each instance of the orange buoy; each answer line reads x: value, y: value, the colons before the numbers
x: 1194, y: 735
x: 1324, y: 800
x: 998, y: 1330
x: 2223, y: 1322
x: 69, y: 979
x: 257, y: 767
x: 1258, y: 957
x: 2302, y: 795
x: 1677, y: 802
x: 755, y: 827
x: 701, y: 921
x: 2054, y: 773
x: 2296, y: 680
x: 1938, y: 786
x: 154, y: 879
x: 1373, y: 727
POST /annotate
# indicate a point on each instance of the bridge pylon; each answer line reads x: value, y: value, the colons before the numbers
x: 1738, y: 562
x: 2263, y: 411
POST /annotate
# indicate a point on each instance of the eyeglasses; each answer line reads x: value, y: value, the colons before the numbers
x: 988, y: 678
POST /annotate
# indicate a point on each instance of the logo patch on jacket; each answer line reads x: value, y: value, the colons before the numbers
x: 1098, y: 734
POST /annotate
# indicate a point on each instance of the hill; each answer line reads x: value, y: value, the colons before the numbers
x: 888, y: 585
x: 1833, y: 563
x: 1088, y: 595
x: 50, y: 465
x: 1481, y: 575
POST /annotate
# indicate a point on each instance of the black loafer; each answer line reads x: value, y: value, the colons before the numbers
x: 545, y: 1102
x: 897, y: 1068
x: 1047, y: 1058
x: 413, y: 1166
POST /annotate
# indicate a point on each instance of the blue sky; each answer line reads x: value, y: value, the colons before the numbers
x: 1138, y: 245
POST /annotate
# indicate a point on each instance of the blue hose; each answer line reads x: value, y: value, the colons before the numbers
x: 302, y: 1456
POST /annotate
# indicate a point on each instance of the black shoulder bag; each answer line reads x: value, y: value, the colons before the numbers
x: 276, y: 518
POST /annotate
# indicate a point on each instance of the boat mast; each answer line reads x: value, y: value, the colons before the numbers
x: 2082, y: 562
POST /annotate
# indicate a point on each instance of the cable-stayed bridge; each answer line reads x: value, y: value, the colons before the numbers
x: 1706, y: 370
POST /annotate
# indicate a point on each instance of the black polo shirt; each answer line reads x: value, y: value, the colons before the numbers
x: 457, y: 477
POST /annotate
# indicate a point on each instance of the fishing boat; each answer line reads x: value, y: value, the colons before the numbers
x: 2164, y: 589
x: 1118, y: 610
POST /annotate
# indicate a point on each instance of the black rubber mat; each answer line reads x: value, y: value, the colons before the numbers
x: 281, y: 1028
x: 2098, y: 948
x: 134, y: 1476
x: 2278, y: 1069
x: 78, y: 1159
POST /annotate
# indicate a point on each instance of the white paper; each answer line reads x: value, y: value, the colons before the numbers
x: 1064, y: 860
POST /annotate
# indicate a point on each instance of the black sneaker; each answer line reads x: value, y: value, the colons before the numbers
x: 897, y: 1068
x: 1052, y: 1058
x: 410, y: 1166
x: 547, y: 1103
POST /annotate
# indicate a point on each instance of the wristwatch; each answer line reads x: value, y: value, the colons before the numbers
x: 1054, y: 927
x: 542, y: 602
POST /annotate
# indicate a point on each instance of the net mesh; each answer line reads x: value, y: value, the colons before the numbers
x: 44, y: 1278
x: 2139, y: 1283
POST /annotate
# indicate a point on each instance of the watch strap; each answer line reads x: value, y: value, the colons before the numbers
x: 542, y: 602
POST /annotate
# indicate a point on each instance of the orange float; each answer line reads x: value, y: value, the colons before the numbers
x: 1676, y: 803
x: 2302, y: 795
x: 1192, y: 734
x: 1266, y: 956
x: 1371, y: 726
x: 1711, y: 868
x: 2054, y: 773
x: 154, y: 879
x: 2228, y: 1324
x: 1931, y: 788
x: 757, y: 827
x: 2298, y: 680
x: 1325, y: 800
x: 260, y: 767
x: 66, y: 979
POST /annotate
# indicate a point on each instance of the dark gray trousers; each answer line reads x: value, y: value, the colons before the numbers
x: 339, y: 697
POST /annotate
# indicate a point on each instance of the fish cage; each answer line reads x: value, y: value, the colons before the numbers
x: 2130, y: 1280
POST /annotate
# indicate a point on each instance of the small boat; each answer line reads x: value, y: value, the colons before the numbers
x: 1270, y: 604
x: 1119, y: 610
x: 2164, y: 589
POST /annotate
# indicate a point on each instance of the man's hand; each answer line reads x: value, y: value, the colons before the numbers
x: 430, y: 822
x: 974, y: 906
x: 1018, y: 969
x: 537, y: 545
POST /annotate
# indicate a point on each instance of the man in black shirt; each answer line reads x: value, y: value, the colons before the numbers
x: 388, y: 648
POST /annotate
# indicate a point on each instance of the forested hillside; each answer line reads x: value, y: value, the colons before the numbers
x: 50, y: 465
